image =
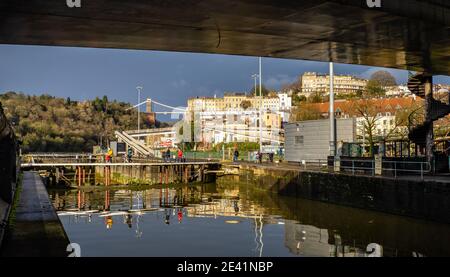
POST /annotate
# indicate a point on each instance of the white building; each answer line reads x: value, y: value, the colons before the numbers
x: 285, y: 102
x: 313, y: 82
x: 397, y: 91
x: 235, y: 118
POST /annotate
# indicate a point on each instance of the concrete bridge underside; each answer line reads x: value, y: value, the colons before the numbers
x: 404, y: 34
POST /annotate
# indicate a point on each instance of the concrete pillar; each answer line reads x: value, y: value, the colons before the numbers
x: 332, y: 117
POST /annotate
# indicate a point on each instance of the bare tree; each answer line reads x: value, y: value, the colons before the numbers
x: 370, y: 112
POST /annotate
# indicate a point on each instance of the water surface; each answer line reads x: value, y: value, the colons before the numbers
x: 232, y: 218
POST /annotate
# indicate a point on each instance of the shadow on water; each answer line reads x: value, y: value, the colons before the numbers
x: 233, y: 218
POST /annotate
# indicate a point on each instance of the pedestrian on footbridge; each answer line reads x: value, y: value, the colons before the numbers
x: 180, y: 156
x: 129, y: 155
x: 167, y: 157
x: 235, y: 155
x: 109, y: 155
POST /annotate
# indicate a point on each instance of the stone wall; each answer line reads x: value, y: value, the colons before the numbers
x: 8, y: 159
x: 426, y: 200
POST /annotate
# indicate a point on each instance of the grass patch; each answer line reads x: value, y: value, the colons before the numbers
x: 12, y: 213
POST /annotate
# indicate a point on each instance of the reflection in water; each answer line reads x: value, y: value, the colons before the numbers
x: 232, y: 218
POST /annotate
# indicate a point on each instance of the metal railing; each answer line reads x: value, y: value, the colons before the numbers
x: 395, y: 168
x: 368, y: 167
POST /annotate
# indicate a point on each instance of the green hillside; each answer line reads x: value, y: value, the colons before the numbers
x: 50, y: 124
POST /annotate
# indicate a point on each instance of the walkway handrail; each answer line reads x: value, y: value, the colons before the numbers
x: 368, y: 166
x: 133, y: 143
x: 161, y: 163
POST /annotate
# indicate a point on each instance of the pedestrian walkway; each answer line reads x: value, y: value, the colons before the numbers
x: 443, y: 178
x: 37, y: 230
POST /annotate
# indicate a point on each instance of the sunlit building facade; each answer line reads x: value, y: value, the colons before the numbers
x: 312, y: 82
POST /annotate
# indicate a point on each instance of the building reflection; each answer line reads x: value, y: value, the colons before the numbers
x: 232, y: 205
x: 307, y: 240
x: 173, y: 205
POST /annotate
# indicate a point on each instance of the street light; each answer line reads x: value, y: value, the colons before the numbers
x: 255, y: 76
x: 139, y: 88
x: 260, y: 105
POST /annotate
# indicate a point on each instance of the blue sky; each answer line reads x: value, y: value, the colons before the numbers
x: 168, y: 77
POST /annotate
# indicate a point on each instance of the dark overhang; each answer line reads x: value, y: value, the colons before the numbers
x: 404, y: 34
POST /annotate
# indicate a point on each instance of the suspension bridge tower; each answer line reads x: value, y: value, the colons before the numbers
x: 150, y: 116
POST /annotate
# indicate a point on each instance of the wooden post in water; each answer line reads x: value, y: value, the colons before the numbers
x: 167, y: 174
x: 107, y: 178
x: 57, y: 175
x: 79, y: 176
x: 89, y: 175
x: 186, y: 179
x: 109, y: 175
x: 75, y: 176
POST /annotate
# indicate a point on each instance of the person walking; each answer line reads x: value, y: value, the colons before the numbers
x: 180, y: 155
x: 107, y: 156
x: 168, y: 155
x: 110, y: 155
x: 235, y: 155
x: 129, y: 155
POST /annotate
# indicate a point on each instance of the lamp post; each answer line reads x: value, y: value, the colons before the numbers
x: 332, y: 115
x: 255, y: 76
x: 260, y: 105
x: 139, y: 88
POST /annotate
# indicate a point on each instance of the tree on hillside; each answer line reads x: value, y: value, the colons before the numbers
x: 374, y: 89
x: 298, y: 99
x: 316, y: 97
x: 46, y: 123
x: 305, y: 112
x: 246, y: 104
x: 295, y: 87
x: 384, y: 78
x: 264, y: 91
x: 379, y: 81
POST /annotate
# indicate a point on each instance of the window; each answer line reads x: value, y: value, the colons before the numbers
x: 299, y: 140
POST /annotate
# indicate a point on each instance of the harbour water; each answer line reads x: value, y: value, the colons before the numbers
x: 233, y: 218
